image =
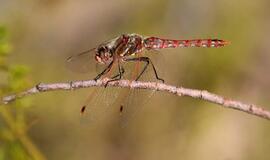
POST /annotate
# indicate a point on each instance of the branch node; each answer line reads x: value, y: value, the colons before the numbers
x: 39, y: 87
x: 251, y: 109
x: 201, y: 94
x: 71, y: 87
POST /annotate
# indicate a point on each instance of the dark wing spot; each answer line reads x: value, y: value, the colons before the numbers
x: 83, y: 109
x: 121, y: 108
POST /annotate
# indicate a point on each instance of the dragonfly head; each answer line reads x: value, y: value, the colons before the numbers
x: 103, y: 55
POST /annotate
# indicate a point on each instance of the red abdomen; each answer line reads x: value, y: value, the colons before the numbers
x: 158, y: 43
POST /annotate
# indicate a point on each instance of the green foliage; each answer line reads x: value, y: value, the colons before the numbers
x: 4, y: 45
x: 13, y: 125
x: 17, y: 78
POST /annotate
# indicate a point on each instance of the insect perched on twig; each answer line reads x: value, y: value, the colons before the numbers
x: 127, y: 48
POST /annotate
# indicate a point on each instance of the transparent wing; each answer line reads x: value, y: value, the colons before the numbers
x: 134, y: 103
x: 101, y: 102
x: 135, y: 100
x: 82, y: 62
x: 100, y: 107
x: 118, y: 102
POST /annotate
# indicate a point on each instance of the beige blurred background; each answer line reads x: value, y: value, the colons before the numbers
x: 44, y: 33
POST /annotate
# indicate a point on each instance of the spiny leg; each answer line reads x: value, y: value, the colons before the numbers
x: 144, y: 59
x: 106, y: 70
x: 118, y: 76
x: 147, y: 61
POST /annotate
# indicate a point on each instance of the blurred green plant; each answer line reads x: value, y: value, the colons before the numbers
x: 15, y: 143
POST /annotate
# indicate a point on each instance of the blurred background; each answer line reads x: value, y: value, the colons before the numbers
x: 38, y: 36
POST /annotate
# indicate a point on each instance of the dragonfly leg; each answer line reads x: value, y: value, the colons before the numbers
x: 122, y: 72
x: 147, y: 61
x: 118, y: 76
x: 71, y: 85
x: 106, y: 70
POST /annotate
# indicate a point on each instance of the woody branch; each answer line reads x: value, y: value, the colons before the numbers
x: 179, y: 91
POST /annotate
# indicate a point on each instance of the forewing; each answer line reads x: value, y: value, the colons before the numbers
x: 82, y: 62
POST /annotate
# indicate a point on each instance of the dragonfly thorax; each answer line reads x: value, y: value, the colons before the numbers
x: 119, y: 47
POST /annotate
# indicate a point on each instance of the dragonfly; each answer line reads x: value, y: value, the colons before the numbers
x: 128, y: 48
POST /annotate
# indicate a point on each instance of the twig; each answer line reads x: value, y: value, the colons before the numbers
x: 179, y: 91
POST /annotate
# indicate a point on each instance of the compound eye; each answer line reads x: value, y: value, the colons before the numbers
x: 102, y: 50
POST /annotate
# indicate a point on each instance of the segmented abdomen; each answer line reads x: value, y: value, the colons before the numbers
x: 158, y: 43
